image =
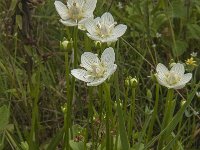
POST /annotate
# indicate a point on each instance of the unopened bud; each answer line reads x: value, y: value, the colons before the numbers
x: 133, y: 82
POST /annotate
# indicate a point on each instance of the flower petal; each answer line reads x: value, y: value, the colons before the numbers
x: 68, y: 22
x: 88, y: 59
x: 119, y: 30
x: 61, y: 9
x: 161, y: 81
x: 80, y: 74
x: 91, y: 27
x: 161, y: 70
x: 97, y: 82
x: 94, y: 37
x: 178, y: 69
x: 107, y: 18
x: 108, y: 56
x: 90, y: 5
x: 111, y: 69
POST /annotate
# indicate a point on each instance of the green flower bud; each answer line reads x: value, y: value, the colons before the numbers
x: 133, y: 82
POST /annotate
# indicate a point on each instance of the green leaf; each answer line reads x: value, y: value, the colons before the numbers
x: 178, y: 9
x: 193, y: 31
x: 179, y: 48
x: 76, y: 145
x: 19, y: 21
x: 4, y: 113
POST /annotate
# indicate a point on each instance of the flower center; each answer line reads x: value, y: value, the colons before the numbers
x: 104, y: 30
x: 98, y: 70
x: 76, y: 12
x: 172, y: 78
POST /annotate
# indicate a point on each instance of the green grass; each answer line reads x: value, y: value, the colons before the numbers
x: 42, y: 106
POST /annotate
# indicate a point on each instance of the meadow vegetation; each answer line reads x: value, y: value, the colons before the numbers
x: 97, y: 84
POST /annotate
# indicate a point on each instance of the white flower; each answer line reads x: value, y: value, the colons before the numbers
x: 77, y: 12
x: 198, y: 94
x: 175, y: 78
x: 104, y: 29
x: 96, y: 70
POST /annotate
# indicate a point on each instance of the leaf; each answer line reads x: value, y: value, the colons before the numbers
x: 193, y: 31
x: 76, y: 145
x: 13, y: 4
x: 179, y: 48
x: 178, y: 9
x: 19, y: 21
x: 4, y: 113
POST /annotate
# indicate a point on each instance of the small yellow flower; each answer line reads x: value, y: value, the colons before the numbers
x: 191, y: 62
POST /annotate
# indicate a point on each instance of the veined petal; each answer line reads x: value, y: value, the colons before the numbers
x: 84, y: 20
x: 119, y: 30
x: 111, y: 69
x: 88, y: 59
x: 97, y: 82
x: 94, y: 37
x: 80, y: 74
x: 178, y: 69
x: 109, y: 39
x: 161, y: 81
x: 108, y: 56
x: 161, y: 70
x: 90, y: 5
x: 91, y: 26
x: 61, y: 9
x: 185, y: 79
x: 68, y: 22
x: 107, y: 18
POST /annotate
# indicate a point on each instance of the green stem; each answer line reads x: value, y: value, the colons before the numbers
x: 167, y: 115
x: 67, y: 116
x: 155, y: 110
x: 108, y: 115
x: 131, y: 114
x: 89, y: 119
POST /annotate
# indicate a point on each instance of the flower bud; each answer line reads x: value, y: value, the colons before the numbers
x: 133, y: 82
x: 65, y: 44
x: 64, y: 108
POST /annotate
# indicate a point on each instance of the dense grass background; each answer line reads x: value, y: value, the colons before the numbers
x: 32, y: 75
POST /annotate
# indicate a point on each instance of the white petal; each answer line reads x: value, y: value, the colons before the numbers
x: 88, y: 59
x: 161, y: 81
x: 111, y: 69
x: 80, y: 74
x: 84, y: 20
x: 94, y: 37
x: 161, y: 70
x: 178, y: 69
x: 107, y: 18
x: 110, y: 39
x: 108, y: 56
x: 61, y: 9
x: 185, y: 79
x: 68, y: 22
x: 119, y: 30
x: 91, y: 26
x: 97, y: 82
x: 71, y: 2
x: 90, y: 5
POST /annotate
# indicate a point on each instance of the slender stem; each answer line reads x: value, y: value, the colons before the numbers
x: 167, y: 115
x: 108, y: 115
x: 67, y: 117
x: 89, y: 119
x: 155, y: 110
x: 131, y: 114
